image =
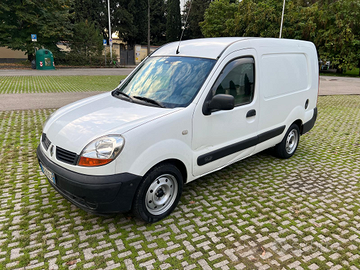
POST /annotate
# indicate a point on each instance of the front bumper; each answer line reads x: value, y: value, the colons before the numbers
x: 103, y: 194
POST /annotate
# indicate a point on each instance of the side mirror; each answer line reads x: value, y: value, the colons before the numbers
x: 219, y: 102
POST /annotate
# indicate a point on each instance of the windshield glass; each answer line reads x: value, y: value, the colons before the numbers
x: 170, y: 81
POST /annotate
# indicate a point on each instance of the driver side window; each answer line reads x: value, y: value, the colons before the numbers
x: 237, y: 79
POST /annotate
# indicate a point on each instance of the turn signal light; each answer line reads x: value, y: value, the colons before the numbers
x: 91, y: 162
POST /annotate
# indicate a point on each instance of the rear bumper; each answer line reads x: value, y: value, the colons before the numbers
x: 103, y: 194
x: 310, y: 124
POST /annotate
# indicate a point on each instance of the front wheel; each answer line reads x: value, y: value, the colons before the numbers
x: 287, y: 147
x: 158, y: 194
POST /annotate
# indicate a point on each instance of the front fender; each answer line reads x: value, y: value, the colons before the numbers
x: 159, y: 152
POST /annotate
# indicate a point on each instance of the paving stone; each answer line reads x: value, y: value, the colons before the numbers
x: 334, y: 256
x: 196, y: 255
x: 189, y: 267
x: 240, y: 266
x: 313, y: 266
x: 221, y: 264
x: 204, y: 265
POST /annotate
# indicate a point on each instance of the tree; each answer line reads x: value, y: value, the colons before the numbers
x: 260, y: 18
x: 122, y: 20
x: 173, y: 20
x: 86, y: 43
x: 50, y: 20
x: 332, y: 25
x: 140, y: 14
x: 128, y: 18
x: 195, y: 16
x: 339, y: 33
x: 217, y: 18
x: 157, y: 22
x: 94, y: 11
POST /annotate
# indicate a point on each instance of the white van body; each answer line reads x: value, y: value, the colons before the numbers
x: 281, y: 87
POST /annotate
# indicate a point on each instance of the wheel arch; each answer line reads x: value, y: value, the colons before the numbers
x: 177, y: 163
x: 299, y: 123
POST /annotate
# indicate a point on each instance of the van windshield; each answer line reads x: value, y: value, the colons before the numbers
x: 169, y: 81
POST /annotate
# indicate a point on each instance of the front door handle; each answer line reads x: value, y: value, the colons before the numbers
x: 251, y: 113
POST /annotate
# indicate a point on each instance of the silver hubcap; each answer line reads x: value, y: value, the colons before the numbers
x: 291, y: 141
x: 161, y: 194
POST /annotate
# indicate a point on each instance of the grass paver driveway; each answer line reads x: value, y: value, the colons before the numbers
x: 57, y: 84
x: 260, y: 213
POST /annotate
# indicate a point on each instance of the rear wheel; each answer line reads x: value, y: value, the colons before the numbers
x: 287, y: 147
x: 159, y: 193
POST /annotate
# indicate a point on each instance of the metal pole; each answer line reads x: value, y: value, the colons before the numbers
x: 110, y: 38
x: 148, y: 45
x: 282, y: 19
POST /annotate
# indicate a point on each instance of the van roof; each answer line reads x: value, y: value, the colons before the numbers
x: 204, y: 47
x: 213, y: 47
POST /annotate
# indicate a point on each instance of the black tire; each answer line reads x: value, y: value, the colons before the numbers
x: 158, y: 193
x: 287, y: 147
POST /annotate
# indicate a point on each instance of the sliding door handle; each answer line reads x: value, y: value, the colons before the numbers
x: 251, y: 113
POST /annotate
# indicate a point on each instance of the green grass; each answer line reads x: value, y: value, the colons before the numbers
x: 348, y: 73
x: 353, y: 72
x: 57, y: 84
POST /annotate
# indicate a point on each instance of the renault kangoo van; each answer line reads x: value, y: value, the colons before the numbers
x: 187, y: 110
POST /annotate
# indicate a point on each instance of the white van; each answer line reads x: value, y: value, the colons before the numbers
x: 187, y: 110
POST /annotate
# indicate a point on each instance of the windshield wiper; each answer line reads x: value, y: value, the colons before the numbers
x: 149, y: 100
x: 118, y: 92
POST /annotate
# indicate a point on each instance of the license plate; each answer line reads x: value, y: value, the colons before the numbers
x: 50, y: 175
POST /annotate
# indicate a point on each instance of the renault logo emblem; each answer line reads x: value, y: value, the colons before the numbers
x: 52, y: 150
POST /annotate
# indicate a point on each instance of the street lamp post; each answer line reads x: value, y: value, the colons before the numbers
x: 282, y: 19
x: 110, y: 38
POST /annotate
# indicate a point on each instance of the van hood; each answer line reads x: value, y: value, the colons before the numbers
x: 74, y: 126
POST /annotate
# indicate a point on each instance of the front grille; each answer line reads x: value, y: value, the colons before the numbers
x: 66, y: 156
x: 45, y: 141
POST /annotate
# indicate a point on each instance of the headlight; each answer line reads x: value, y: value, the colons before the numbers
x: 101, y: 151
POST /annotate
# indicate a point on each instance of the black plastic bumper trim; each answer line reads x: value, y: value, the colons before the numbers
x: 310, y: 124
x: 237, y: 147
x: 103, y: 194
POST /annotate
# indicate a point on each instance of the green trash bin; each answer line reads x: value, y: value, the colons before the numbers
x: 44, y: 59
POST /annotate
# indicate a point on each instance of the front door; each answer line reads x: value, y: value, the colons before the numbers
x: 224, y: 137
